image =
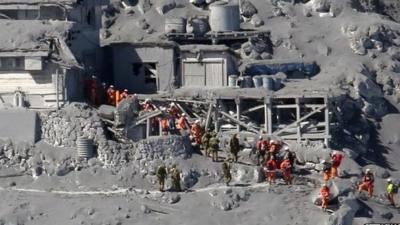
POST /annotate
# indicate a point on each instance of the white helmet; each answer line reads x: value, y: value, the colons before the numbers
x: 323, y: 161
x: 286, y: 148
x: 172, y: 104
x: 261, y: 137
x: 271, y: 141
x: 368, y: 170
x: 183, y: 114
x: 389, y: 180
x: 197, y: 121
x: 324, y: 185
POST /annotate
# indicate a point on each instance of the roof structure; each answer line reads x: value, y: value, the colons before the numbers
x: 33, y: 2
x: 30, y: 36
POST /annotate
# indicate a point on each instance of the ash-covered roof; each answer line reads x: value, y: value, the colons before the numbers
x: 38, y: 2
x: 30, y: 35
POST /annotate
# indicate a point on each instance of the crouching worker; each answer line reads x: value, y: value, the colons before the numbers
x: 367, y: 183
x: 324, y: 192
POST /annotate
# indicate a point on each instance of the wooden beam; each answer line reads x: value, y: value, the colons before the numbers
x: 298, y: 115
x: 147, y: 127
x: 147, y: 116
x: 233, y: 119
x: 208, y: 119
x: 327, y: 128
x: 237, y: 101
x: 299, y: 120
x: 255, y: 108
x: 183, y: 110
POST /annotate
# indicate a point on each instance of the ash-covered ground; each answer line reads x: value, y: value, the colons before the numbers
x: 356, y: 44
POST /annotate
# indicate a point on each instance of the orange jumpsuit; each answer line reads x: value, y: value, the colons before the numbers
x: 148, y: 107
x: 336, y: 160
x: 182, y: 124
x: 123, y: 96
x: 164, y: 126
x: 174, y: 112
x: 271, y: 170
x: 273, y: 149
x: 197, y: 132
x: 367, y: 184
x: 286, y: 168
x: 324, y: 192
x: 111, y: 96
x: 94, y: 91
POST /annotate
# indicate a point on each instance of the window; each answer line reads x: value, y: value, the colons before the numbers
x: 12, y: 63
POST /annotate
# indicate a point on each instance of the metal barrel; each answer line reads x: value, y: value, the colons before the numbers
x: 277, y: 83
x: 84, y: 147
x: 224, y: 17
x: 268, y: 82
x: 232, y: 79
x: 257, y: 81
x: 247, y: 82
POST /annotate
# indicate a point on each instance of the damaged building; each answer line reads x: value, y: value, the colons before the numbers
x: 47, y: 48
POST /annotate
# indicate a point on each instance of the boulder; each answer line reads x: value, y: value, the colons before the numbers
x: 247, y: 9
x: 256, y: 20
x: 350, y: 153
x: 345, y: 214
x: 349, y: 168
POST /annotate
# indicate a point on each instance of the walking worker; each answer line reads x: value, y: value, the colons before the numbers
x: 291, y: 156
x: 336, y: 158
x: 271, y: 167
x: 286, y: 171
x: 261, y: 146
x: 326, y: 170
x: 182, y: 124
x: 367, y: 183
x: 392, y: 190
x: 161, y: 176
x: 175, y: 178
x: 226, y: 169
x: 234, y: 147
x: 324, y: 192
x: 214, y: 147
x: 205, y: 141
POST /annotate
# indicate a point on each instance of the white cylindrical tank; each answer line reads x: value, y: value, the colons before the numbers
x: 224, y: 17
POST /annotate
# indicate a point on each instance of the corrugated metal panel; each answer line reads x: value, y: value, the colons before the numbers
x: 214, y: 74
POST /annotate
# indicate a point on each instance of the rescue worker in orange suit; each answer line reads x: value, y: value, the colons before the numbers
x: 173, y: 111
x: 367, y: 183
x: 326, y: 170
x: 271, y: 167
x: 111, y: 95
x: 123, y: 95
x: 291, y: 156
x: 261, y: 147
x: 324, y: 192
x: 182, y: 124
x: 197, y: 132
x: 274, y: 148
x: 336, y: 161
x: 147, y: 106
x: 286, y: 171
x: 94, y: 90
x: 164, y: 126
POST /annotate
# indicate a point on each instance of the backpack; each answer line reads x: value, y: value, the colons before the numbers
x: 395, y: 188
